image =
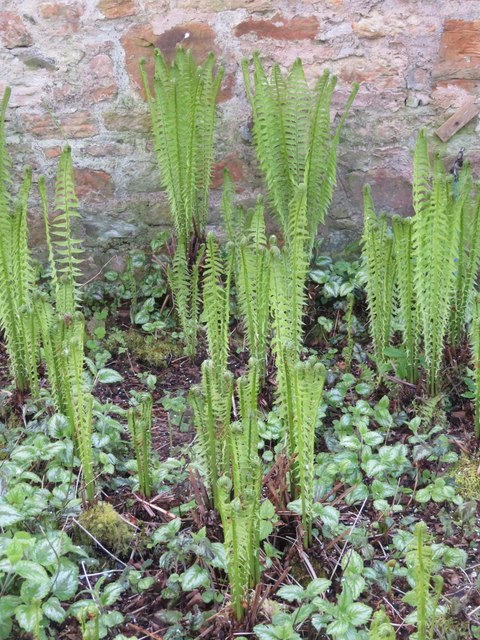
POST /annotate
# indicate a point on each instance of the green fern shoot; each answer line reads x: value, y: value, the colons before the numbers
x: 293, y: 139
x: 475, y: 342
x: 468, y: 258
x: 182, y: 109
x: 406, y: 305
x: 378, y: 259
x: 381, y: 628
x: 16, y: 272
x: 435, y: 251
x: 183, y: 280
x: 140, y: 426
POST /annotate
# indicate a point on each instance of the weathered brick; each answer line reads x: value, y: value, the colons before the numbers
x: 140, y: 42
x: 126, y: 120
x: 13, y: 32
x: 99, y: 81
x: 71, y: 125
x: 233, y: 163
x: 117, y: 8
x: 63, y: 16
x: 459, y: 55
x: 92, y: 185
x: 280, y: 28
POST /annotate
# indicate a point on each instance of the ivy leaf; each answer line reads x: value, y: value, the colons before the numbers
x: 65, y: 580
x: 194, y: 578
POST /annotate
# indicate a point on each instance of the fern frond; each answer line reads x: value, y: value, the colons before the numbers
x: 475, y: 345
x: 67, y: 248
x: 140, y: 426
x: 379, y: 264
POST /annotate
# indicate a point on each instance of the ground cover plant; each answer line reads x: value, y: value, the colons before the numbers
x: 245, y: 439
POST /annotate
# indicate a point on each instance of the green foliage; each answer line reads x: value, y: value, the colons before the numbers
x: 468, y: 258
x: 146, y: 348
x: 16, y: 272
x: 435, y: 230
x: 216, y: 302
x: 308, y: 381
x: 406, y: 306
x: 251, y: 270
x: 182, y: 109
x: 379, y: 264
x: 184, y: 283
x: 294, y: 144
x: 422, y: 596
x: 140, y: 425
x: 475, y: 343
x: 381, y: 627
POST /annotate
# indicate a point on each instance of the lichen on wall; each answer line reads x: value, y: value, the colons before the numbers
x: 73, y: 69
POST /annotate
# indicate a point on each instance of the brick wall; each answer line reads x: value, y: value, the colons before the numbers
x: 73, y: 69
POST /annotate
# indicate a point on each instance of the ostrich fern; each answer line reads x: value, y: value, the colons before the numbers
x: 468, y: 258
x: 140, y: 426
x: 182, y: 109
x: 378, y: 258
x: 475, y: 342
x: 293, y: 140
x: 435, y: 247
x: 16, y: 271
x: 406, y: 307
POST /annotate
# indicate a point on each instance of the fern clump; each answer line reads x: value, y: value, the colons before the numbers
x: 294, y: 144
x: 17, y: 276
x: 182, y: 109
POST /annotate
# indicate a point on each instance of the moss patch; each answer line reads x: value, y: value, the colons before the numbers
x: 106, y: 525
x: 467, y: 477
x: 145, y: 348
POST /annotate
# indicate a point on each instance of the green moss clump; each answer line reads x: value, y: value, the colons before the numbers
x: 106, y: 525
x: 145, y: 348
x: 467, y: 477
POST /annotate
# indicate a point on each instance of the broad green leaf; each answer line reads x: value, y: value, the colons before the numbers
x: 111, y: 593
x: 65, y: 580
x: 54, y: 610
x: 8, y: 604
x: 291, y: 592
x: 358, y: 613
x: 9, y: 515
x: 29, y: 616
x: 108, y: 376
x: 194, y: 578
x: 166, y: 532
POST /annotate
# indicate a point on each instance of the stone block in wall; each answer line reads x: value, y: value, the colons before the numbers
x: 459, y: 55
x: 113, y: 9
x: 13, y: 32
x: 93, y: 185
x: 280, y: 28
x: 79, y: 124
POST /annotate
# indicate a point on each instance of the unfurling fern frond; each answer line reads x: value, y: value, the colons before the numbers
x: 475, y: 342
x: 435, y: 244
x: 406, y: 310
x: 182, y: 109
x: 140, y: 426
x: 294, y: 144
x: 379, y: 264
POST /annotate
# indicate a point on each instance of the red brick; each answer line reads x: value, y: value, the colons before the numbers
x: 99, y: 80
x: 233, y: 164
x: 140, y: 42
x: 52, y: 152
x: 65, y: 16
x: 13, y: 32
x: 117, y: 8
x: 72, y: 125
x: 93, y: 185
x: 280, y: 28
x: 459, y: 55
